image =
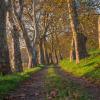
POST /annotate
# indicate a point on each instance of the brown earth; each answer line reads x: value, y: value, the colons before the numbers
x: 35, y: 87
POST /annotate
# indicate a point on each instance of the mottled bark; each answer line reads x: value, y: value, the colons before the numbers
x: 17, y: 52
x: 17, y: 60
x: 4, y: 52
x: 18, y: 16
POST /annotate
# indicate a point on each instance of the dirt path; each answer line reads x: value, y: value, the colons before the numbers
x: 32, y: 89
x: 89, y: 87
x: 36, y: 89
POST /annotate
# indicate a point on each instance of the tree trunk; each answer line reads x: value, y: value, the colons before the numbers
x: 59, y: 49
x: 56, y: 57
x: 36, y: 33
x: 51, y: 58
x: 79, y: 39
x: 46, y: 57
x: 41, y: 52
x: 99, y: 30
x: 17, y: 60
x: 25, y: 33
x: 17, y: 51
x: 71, y: 50
x: 74, y: 25
x: 34, y: 56
x: 60, y: 55
x: 4, y: 52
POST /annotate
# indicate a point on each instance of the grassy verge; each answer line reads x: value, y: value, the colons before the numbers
x: 59, y: 88
x: 88, y: 67
x: 10, y: 82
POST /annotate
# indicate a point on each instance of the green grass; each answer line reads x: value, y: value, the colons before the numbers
x: 88, y: 67
x: 59, y: 88
x: 10, y: 82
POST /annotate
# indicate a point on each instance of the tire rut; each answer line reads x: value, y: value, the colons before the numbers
x: 92, y: 89
x: 31, y: 89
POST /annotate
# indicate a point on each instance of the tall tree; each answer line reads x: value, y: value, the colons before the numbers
x: 99, y: 30
x: 4, y: 52
x: 16, y: 50
x: 78, y: 45
x: 18, y: 12
x: 17, y: 60
x: 36, y: 32
x: 74, y: 26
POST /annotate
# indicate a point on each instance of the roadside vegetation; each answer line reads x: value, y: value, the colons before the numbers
x: 11, y: 82
x: 59, y: 88
x: 88, y: 67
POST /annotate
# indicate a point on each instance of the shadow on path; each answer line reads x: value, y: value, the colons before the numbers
x: 36, y: 88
